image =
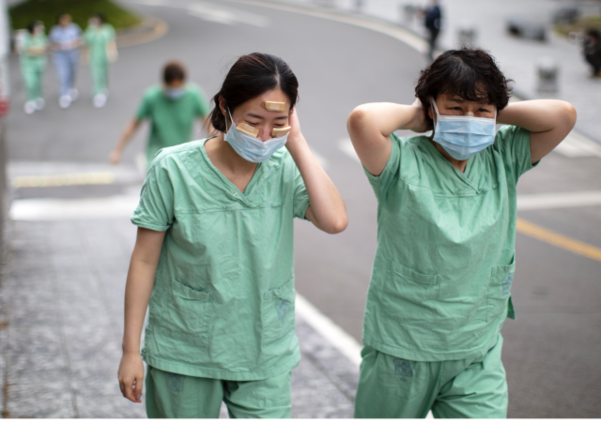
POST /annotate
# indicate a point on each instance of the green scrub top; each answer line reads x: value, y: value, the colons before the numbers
x: 39, y: 40
x: 222, y: 305
x: 171, y: 120
x: 441, y: 279
x: 97, y: 39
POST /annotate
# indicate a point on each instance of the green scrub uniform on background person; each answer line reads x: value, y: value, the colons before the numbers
x: 222, y: 304
x: 171, y: 119
x: 441, y: 280
x: 33, y: 66
x: 97, y: 38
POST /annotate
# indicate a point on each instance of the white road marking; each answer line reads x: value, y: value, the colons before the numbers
x: 346, y: 146
x: 69, y: 209
x: 577, y: 145
x: 342, y: 341
x: 558, y: 200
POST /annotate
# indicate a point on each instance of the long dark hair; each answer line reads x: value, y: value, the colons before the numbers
x: 252, y: 75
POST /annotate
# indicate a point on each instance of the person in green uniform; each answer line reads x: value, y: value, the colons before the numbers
x: 33, y: 64
x: 99, y: 37
x: 171, y: 109
x: 213, y: 259
x: 445, y: 259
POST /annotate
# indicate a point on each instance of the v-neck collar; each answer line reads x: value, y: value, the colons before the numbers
x: 463, y: 176
x: 232, y: 190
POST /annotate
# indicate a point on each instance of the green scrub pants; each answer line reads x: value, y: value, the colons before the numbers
x: 99, y: 71
x: 32, y: 76
x: 392, y: 387
x: 171, y: 395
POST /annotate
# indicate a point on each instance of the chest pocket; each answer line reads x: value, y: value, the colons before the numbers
x: 187, y: 317
x: 499, y: 289
x: 277, y: 313
x: 408, y: 295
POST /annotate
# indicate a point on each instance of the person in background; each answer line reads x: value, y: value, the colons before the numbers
x: 99, y: 37
x: 432, y: 22
x: 65, y: 40
x: 592, y: 50
x: 33, y: 64
x: 171, y: 110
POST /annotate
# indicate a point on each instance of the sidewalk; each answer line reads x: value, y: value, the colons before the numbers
x: 62, y: 321
x: 517, y: 57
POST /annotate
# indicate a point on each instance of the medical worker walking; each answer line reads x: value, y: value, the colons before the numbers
x: 171, y: 109
x: 214, y: 255
x: 100, y: 39
x: 444, y: 265
x: 33, y: 64
x: 65, y: 40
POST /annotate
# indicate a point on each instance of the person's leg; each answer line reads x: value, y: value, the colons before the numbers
x: 61, y: 64
x: 73, y: 66
x: 171, y: 395
x: 98, y: 71
x: 392, y: 387
x: 269, y: 398
x: 29, y: 76
x: 480, y: 391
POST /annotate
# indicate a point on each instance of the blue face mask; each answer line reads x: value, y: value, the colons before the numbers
x: 174, y: 93
x: 251, y: 148
x: 463, y: 136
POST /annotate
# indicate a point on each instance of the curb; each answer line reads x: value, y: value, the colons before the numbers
x: 149, y: 30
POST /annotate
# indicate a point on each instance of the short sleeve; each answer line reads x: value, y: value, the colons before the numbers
x: 155, y: 210
x: 144, y: 108
x: 52, y: 35
x: 111, y: 32
x: 381, y: 183
x: 301, y: 197
x: 513, y: 143
x: 201, y: 105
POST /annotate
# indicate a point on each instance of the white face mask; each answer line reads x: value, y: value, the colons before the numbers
x: 251, y: 148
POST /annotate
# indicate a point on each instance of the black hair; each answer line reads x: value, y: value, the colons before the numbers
x: 31, y: 26
x: 469, y: 73
x: 100, y: 17
x: 60, y: 15
x: 252, y: 75
x: 174, y: 71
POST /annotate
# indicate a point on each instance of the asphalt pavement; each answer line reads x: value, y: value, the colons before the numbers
x: 62, y: 300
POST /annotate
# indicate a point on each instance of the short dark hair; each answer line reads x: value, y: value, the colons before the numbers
x: 252, y: 75
x: 100, y: 17
x: 469, y: 73
x: 174, y: 71
x: 31, y: 26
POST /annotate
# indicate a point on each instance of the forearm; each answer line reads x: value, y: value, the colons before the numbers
x: 140, y: 281
x: 326, y: 203
x: 538, y: 115
x: 127, y: 135
x: 385, y: 118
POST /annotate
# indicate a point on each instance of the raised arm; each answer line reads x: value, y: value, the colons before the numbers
x: 327, y: 210
x: 128, y: 133
x: 549, y: 122
x: 370, y: 125
x: 140, y: 279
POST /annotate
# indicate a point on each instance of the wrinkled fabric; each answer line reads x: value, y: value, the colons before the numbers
x: 33, y: 66
x: 441, y: 279
x: 171, y: 119
x: 222, y: 305
x: 97, y: 40
x: 390, y: 387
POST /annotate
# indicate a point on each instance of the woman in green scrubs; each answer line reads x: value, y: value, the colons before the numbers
x: 213, y: 258
x: 33, y: 64
x: 100, y: 39
x: 441, y: 279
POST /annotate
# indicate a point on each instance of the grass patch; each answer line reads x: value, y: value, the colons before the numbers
x: 580, y: 25
x: 47, y: 11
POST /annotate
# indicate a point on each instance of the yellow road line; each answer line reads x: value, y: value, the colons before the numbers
x: 64, y: 180
x: 558, y: 240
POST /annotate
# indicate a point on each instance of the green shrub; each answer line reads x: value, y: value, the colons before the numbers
x: 47, y: 11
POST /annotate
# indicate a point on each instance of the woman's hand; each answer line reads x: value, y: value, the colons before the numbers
x: 419, y: 124
x: 131, y: 376
x: 295, y: 131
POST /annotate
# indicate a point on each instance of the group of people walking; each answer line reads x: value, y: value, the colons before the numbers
x: 214, y: 261
x: 65, y: 43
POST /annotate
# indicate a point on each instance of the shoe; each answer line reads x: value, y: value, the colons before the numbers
x: 40, y: 103
x: 99, y: 100
x: 29, y: 107
x: 73, y: 94
x: 65, y: 101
